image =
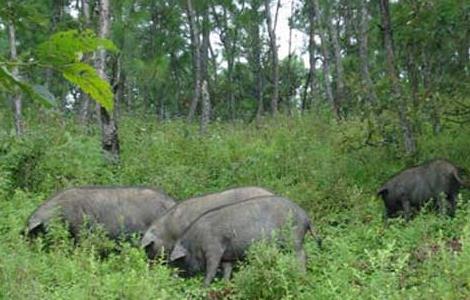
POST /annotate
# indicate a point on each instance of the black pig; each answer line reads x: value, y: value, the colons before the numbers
x: 411, y: 189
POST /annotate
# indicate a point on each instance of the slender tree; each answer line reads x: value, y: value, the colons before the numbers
x: 271, y: 27
x: 311, y: 80
x: 85, y: 99
x: 206, y: 107
x: 254, y: 51
x: 228, y: 33
x: 408, y: 138
x: 363, y: 52
x: 110, y: 140
x: 196, y: 55
x: 289, y: 92
x: 16, y: 100
x: 333, y: 26
x: 325, y: 58
x: 205, y: 95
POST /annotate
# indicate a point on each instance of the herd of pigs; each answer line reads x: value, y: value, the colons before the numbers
x: 211, y: 232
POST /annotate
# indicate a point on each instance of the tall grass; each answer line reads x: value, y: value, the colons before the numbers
x: 325, y: 167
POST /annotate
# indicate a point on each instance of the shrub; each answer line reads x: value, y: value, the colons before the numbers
x: 269, y: 273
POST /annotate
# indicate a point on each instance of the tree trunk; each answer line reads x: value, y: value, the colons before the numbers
x: 175, y: 77
x: 230, y: 45
x: 120, y: 94
x: 259, y: 91
x: 85, y: 99
x: 195, y: 44
x: 206, y: 107
x: 427, y: 74
x: 463, y: 51
x: 363, y: 53
x: 213, y: 60
x: 347, y: 12
x: 109, y: 132
x: 204, y: 52
x: 117, y: 84
x: 56, y: 17
x: 325, y: 62
x: 304, y: 105
x: 255, y: 64
x: 16, y: 100
x: 231, y: 97
x: 311, y: 56
x: 205, y: 95
x: 339, y: 95
x: 413, y: 72
x: 274, y: 55
x: 408, y: 138
x: 289, y: 91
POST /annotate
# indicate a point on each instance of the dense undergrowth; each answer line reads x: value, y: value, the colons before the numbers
x: 325, y: 167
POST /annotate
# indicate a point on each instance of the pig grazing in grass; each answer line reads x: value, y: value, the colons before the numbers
x: 164, y: 232
x: 222, y: 235
x: 412, y: 188
x: 120, y: 211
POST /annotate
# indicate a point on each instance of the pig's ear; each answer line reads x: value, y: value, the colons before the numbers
x: 147, y: 240
x: 178, y: 252
x: 382, y: 192
x: 33, y: 227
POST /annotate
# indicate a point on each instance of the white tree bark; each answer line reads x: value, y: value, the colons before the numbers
x: 206, y: 107
x: 16, y: 100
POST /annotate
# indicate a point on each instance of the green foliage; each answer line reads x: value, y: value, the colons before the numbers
x: 24, y: 14
x: 68, y: 47
x: 8, y: 82
x: 19, y: 159
x: 268, y: 274
x: 64, y: 51
x: 86, y: 77
x: 323, y: 166
x: 31, y: 163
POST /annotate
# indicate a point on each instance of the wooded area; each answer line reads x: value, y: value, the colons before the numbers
x: 199, y: 96
x: 398, y: 64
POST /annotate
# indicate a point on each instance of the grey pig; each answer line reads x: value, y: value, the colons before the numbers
x: 121, y: 211
x: 221, y: 236
x: 163, y: 233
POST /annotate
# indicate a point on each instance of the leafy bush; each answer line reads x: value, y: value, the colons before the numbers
x: 269, y: 273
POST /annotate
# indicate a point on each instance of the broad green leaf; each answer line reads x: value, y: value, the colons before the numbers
x: 67, y: 47
x: 86, y: 77
x: 36, y: 92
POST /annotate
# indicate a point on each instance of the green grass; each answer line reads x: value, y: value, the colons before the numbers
x: 321, y: 165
